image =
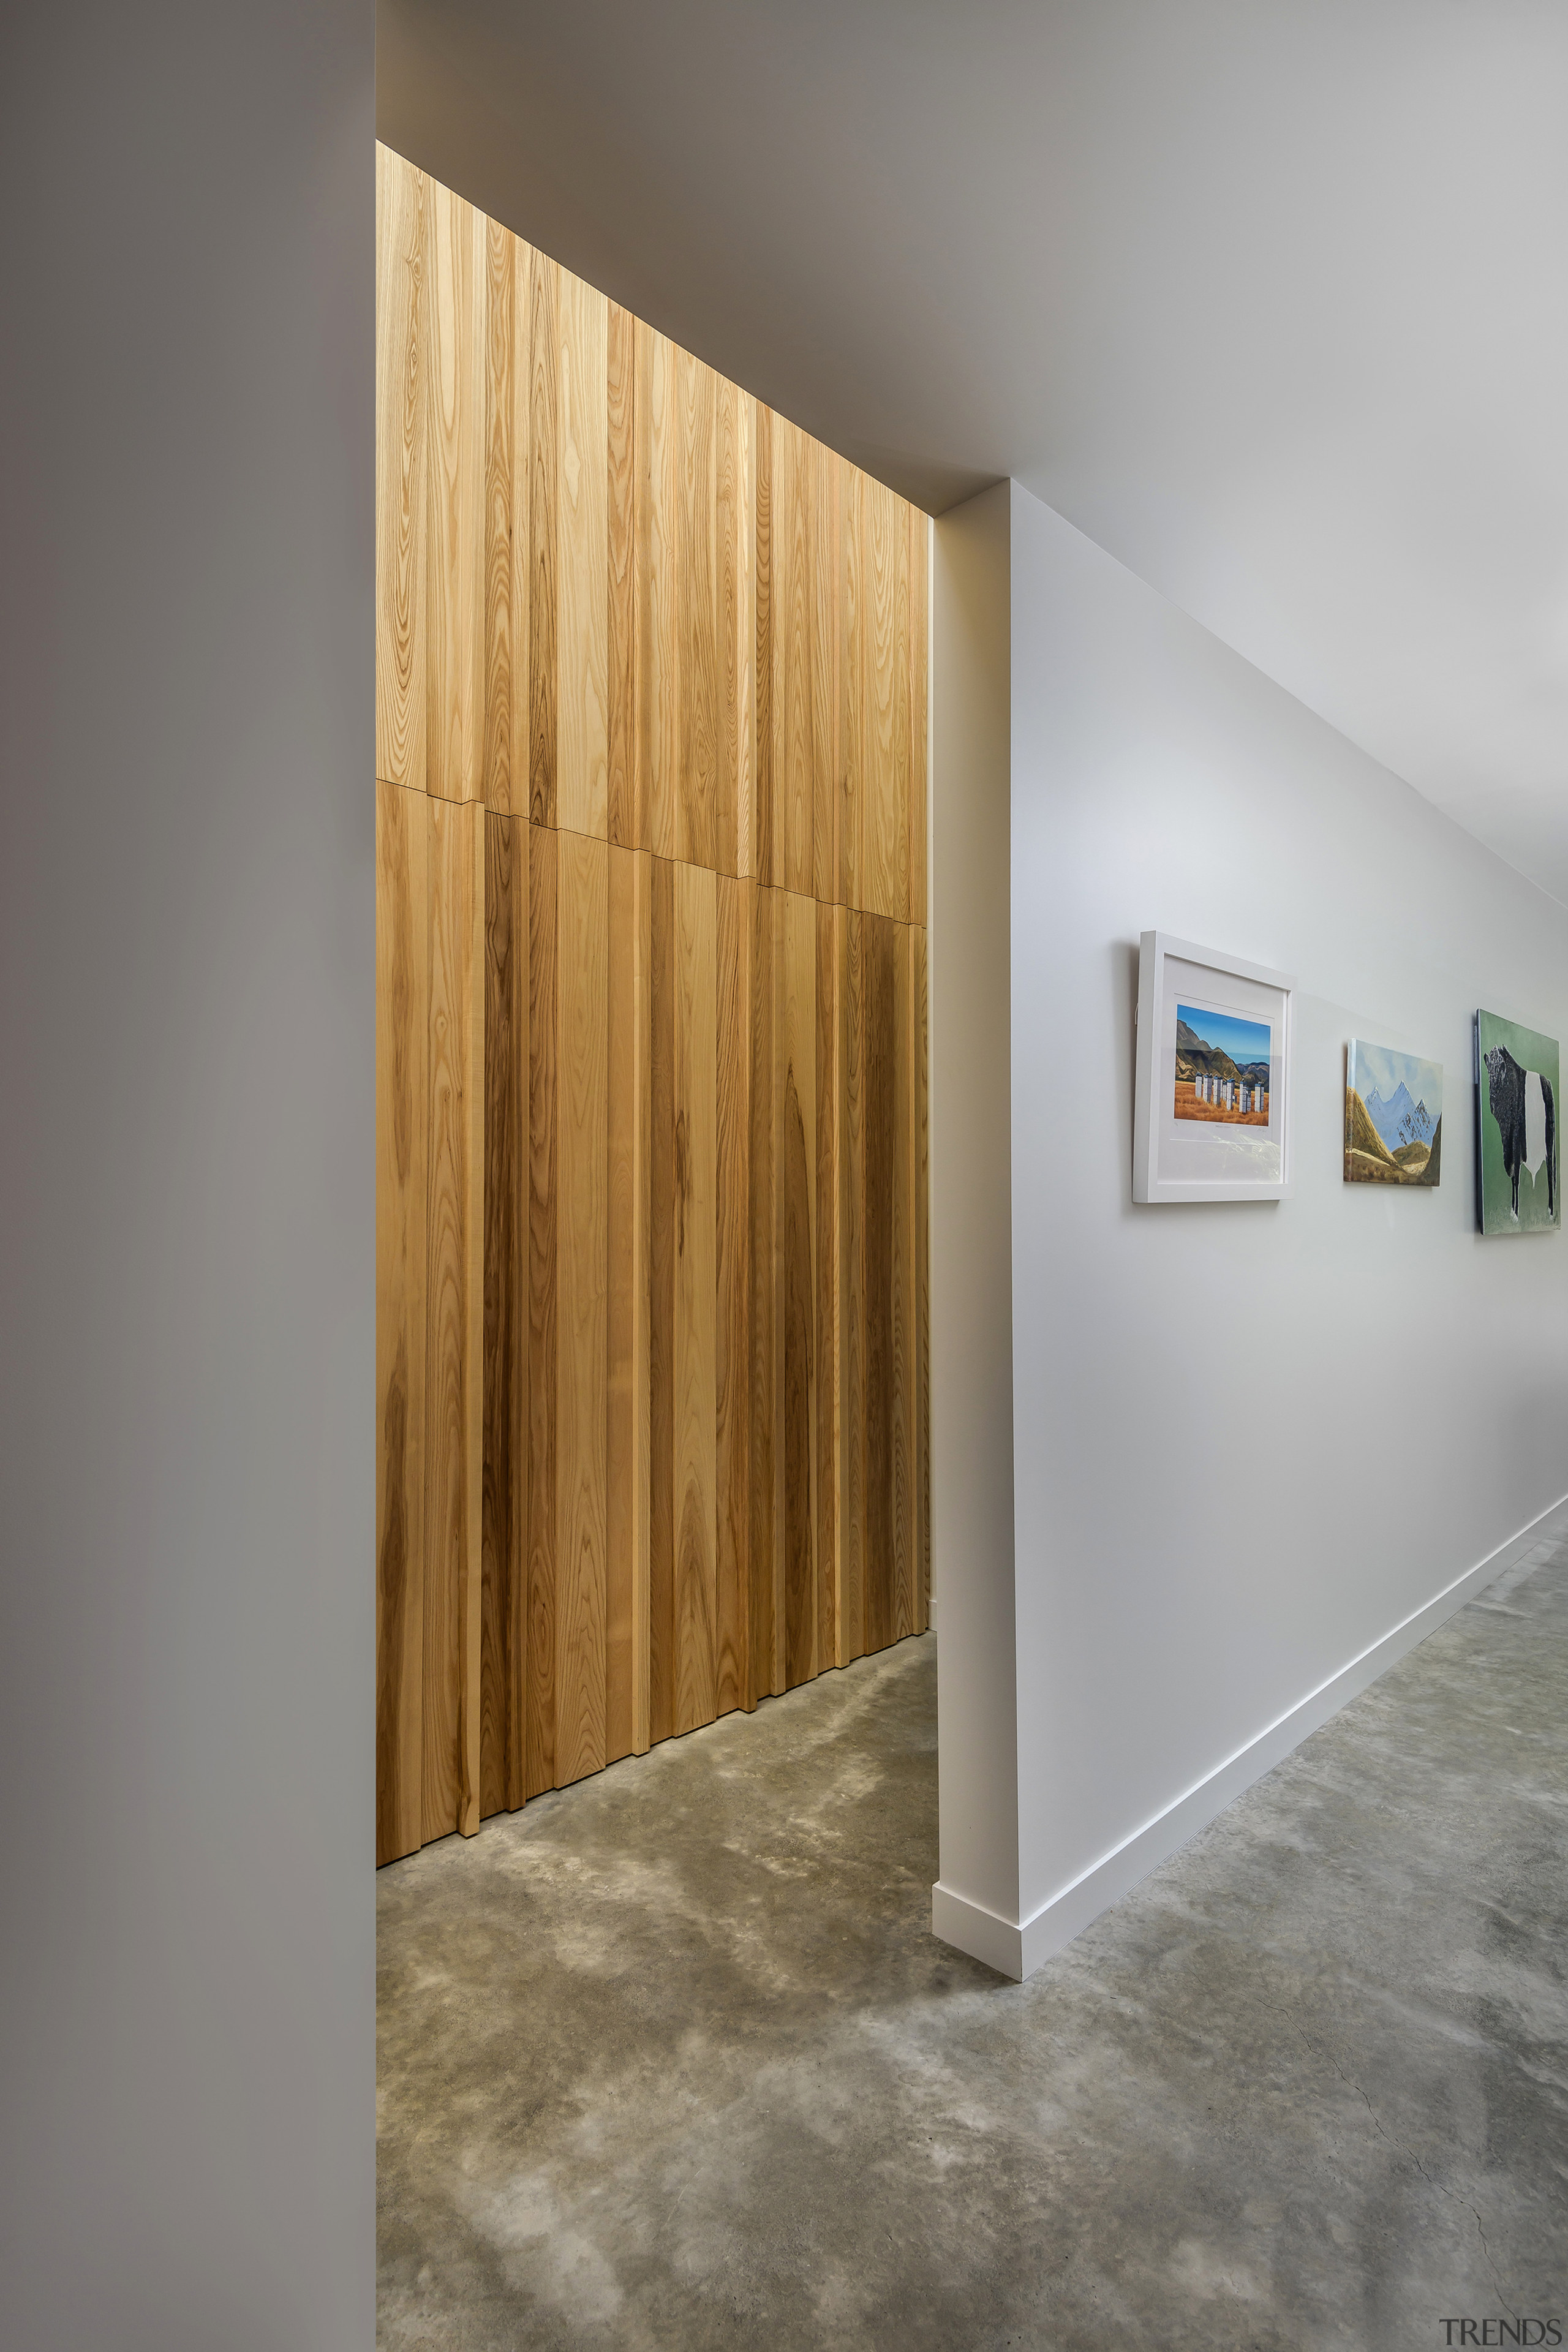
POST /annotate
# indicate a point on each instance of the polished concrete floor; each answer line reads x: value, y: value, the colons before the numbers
x: 671, y: 2059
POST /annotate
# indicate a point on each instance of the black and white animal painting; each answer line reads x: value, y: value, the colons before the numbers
x: 1526, y: 1115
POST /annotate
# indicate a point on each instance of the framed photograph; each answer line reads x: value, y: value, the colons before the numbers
x: 1518, y: 1184
x: 1212, y: 1117
x: 1393, y: 1116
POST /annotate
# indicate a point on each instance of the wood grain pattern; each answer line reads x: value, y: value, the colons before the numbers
x: 877, y: 1239
x: 796, y: 1079
x: 898, y: 795
x: 822, y: 585
x: 582, y: 506
x: 471, y: 826
x: 830, y: 922
x: 617, y: 595
x: 454, y: 1280
x: 504, y: 1527
x: 543, y: 429
x: 401, y: 492
x: 745, y: 635
x: 766, y: 1562
x: 923, y: 1285
x: 919, y: 654
x: 884, y: 880
x: 728, y: 536
x: 733, y: 1271
x: 653, y: 1351
x: 455, y: 378
x: 581, y: 1260
x: 852, y: 1641
x: 500, y: 648
x: 542, y: 1311
x: 699, y: 771
x: 520, y: 759
x: 696, y: 1292
x: 762, y: 860
x: 631, y: 1074
x: 402, y: 1141
x: 624, y: 797
x: 851, y: 679
x: 661, y: 1305
x: 659, y: 424
x: 903, y: 1367
x: 749, y: 1064
x: 795, y: 812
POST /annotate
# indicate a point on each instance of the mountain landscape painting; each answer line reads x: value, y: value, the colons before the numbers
x: 1393, y: 1116
x: 1223, y: 1065
x: 1517, y: 1097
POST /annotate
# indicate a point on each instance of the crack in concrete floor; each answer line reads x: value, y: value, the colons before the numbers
x: 1411, y: 2157
x: 671, y: 2059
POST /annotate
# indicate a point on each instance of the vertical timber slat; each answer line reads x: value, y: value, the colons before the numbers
x: 762, y: 842
x: 852, y: 1637
x: 919, y: 650
x: 922, y: 1287
x: 455, y: 378
x: 884, y: 880
x: 732, y: 1263
x: 626, y: 1608
x: 698, y: 771
x: 851, y: 688
x: 583, y: 557
x: 582, y: 1262
x: 902, y: 1386
x: 544, y: 427
x: 543, y: 1210
x: 520, y: 534
x: 402, y: 1144
x: 792, y: 659
x: 624, y: 804
x: 823, y: 600
x: 662, y: 1303
x: 402, y: 300
x: 659, y: 424
x: 503, y: 1677
x: 695, y: 1376
x: 502, y: 645
x: 829, y: 1279
x: 727, y: 544
x: 796, y: 1078
x: 876, y: 1241
x: 745, y: 635
x: 766, y: 1556
x: 454, y: 1326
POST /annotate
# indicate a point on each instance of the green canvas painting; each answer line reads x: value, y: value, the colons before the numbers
x: 1518, y: 1097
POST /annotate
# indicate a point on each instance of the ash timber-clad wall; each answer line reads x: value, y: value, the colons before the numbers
x: 652, y: 1358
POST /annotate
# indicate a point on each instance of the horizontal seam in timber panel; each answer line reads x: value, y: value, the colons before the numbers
x: 689, y: 866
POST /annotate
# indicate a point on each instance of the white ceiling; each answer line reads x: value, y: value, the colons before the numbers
x: 1271, y: 300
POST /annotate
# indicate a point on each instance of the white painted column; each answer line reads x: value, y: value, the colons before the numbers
x: 974, y: 1904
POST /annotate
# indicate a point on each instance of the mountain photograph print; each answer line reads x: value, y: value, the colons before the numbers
x: 1393, y: 1116
x: 1517, y: 1096
x: 1222, y: 1068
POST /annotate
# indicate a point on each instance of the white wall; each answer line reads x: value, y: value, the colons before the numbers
x: 1392, y: 1391
x: 187, y: 1164
x: 971, y: 1271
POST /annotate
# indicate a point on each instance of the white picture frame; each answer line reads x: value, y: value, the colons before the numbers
x: 1187, y: 1144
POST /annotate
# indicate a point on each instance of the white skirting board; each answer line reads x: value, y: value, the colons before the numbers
x: 1017, y: 1948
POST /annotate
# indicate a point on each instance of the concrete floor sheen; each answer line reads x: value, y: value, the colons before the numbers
x: 671, y: 2059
